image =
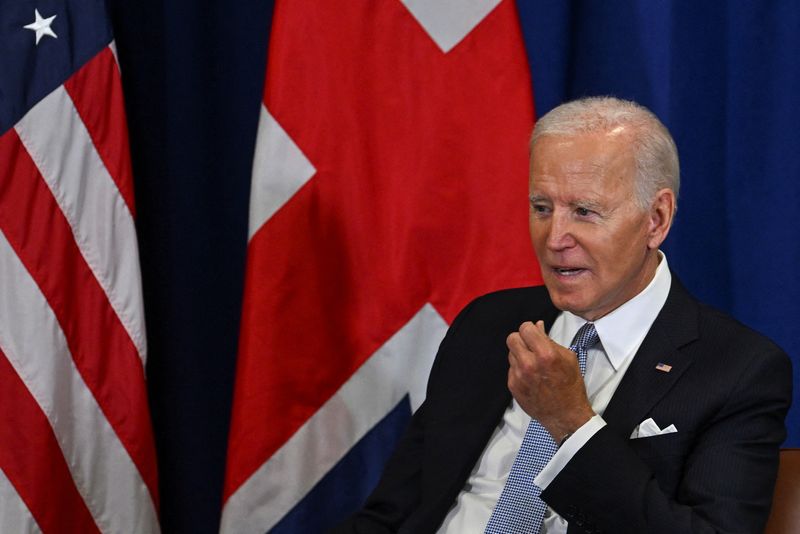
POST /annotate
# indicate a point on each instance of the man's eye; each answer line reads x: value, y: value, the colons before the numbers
x: 538, y: 208
x: 582, y: 212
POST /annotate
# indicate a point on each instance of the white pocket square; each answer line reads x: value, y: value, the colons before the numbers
x: 648, y: 428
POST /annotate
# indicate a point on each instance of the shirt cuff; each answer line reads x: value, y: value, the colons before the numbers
x: 565, y: 453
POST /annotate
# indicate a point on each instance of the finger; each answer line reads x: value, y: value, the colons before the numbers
x: 534, y: 336
x: 516, y: 384
x: 516, y: 343
x: 524, y: 326
x: 519, y: 357
x: 521, y: 365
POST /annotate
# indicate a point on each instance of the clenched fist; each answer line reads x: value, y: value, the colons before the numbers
x: 546, y: 381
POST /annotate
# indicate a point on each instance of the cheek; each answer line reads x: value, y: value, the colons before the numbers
x: 615, y: 243
x: 620, y: 257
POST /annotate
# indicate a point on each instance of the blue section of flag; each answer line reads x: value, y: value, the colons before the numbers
x: 344, y: 488
x: 724, y: 77
x: 29, y: 72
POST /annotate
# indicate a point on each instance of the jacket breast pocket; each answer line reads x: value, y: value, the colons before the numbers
x: 665, y: 455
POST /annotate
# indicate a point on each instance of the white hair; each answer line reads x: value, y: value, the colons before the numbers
x: 654, y: 150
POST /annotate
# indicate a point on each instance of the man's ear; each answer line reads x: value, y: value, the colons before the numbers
x: 662, y: 211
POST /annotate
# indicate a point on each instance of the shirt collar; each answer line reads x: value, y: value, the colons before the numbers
x: 623, y: 330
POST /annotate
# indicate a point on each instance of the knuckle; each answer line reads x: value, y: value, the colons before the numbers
x: 512, y: 339
x: 526, y: 367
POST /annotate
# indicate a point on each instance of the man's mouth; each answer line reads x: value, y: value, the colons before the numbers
x: 568, y: 271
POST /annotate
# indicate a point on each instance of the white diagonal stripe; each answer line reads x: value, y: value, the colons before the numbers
x: 447, y: 22
x: 363, y: 401
x: 279, y: 169
x: 60, y: 146
x: 113, y: 46
x: 34, y: 344
x: 14, y: 515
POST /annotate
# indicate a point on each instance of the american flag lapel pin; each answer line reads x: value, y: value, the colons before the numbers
x: 663, y: 367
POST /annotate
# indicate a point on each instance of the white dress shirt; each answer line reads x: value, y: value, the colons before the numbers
x: 621, y: 332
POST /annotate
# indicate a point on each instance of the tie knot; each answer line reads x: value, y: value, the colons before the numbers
x: 585, y: 338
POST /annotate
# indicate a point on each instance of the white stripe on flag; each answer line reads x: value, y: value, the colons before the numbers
x: 14, y: 515
x: 279, y: 169
x: 370, y: 393
x: 59, y: 144
x: 447, y: 22
x: 113, y: 46
x: 34, y: 343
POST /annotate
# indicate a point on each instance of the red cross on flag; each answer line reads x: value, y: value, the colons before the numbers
x: 389, y: 189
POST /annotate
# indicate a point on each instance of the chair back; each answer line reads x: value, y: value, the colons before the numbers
x: 785, y: 515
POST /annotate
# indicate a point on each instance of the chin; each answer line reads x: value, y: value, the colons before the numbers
x: 572, y: 303
x: 563, y: 302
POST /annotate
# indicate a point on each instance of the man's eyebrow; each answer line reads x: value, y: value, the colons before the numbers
x: 585, y: 203
x: 579, y: 203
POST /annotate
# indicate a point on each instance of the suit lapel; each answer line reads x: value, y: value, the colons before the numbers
x: 643, y: 384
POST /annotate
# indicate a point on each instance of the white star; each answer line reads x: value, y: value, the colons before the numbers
x: 41, y: 26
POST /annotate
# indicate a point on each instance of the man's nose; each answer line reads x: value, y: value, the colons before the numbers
x: 560, y: 232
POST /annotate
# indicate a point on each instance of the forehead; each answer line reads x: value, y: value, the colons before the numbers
x: 594, y: 162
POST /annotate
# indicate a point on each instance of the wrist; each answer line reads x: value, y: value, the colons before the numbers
x: 565, y: 429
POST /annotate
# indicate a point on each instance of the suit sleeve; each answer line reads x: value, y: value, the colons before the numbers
x: 724, y: 473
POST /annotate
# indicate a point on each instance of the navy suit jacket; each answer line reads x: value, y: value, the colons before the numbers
x: 727, y: 393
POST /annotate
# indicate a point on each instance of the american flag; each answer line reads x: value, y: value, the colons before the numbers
x: 388, y: 190
x: 76, y: 445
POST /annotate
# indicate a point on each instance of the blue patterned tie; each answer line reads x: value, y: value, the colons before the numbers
x: 519, y: 509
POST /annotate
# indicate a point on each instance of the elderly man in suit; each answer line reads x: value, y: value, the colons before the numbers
x: 608, y: 401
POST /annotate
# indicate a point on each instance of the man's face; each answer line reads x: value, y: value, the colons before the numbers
x: 594, y: 243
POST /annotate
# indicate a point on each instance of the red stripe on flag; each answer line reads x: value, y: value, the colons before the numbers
x: 30, y: 454
x: 103, y: 352
x: 420, y: 196
x: 96, y: 91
